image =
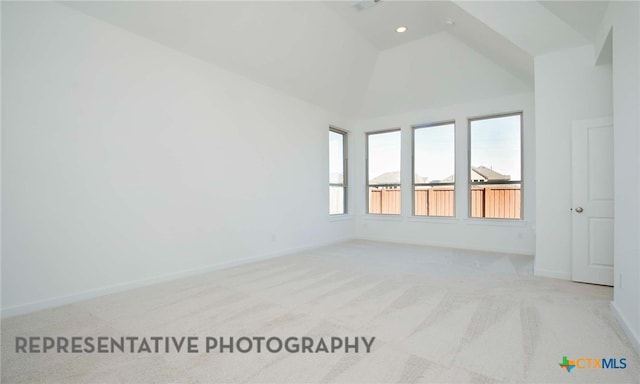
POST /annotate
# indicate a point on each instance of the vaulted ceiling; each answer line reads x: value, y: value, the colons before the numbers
x: 350, y: 60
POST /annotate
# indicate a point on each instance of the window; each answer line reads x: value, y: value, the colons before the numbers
x: 383, y: 172
x: 495, y: 174
x: 337, y: 172
x: 434, y: 163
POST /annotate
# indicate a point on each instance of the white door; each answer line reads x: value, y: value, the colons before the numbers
x: 592, y: 211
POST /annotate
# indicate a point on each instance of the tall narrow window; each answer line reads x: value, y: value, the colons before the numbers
x: 434, y: 163
x: 337, y: 172
x: 495, y: 172
x: 383, y: 172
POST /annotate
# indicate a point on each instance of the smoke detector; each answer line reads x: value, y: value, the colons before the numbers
x: 361, y: 5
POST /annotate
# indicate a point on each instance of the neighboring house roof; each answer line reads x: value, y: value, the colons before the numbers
x: 475, y: 176
x: 386, y: 178
x: 449, y: 179
x: 483, y: 173
x: 394, y: 178
x: 419, y: 179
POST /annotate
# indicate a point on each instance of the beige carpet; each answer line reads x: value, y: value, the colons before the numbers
x: 437, y: 315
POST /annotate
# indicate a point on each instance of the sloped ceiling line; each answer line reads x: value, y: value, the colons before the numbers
x: 350, y: 62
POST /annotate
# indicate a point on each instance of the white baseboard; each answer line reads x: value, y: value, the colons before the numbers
x: 552, y: 274
x: 447, y: 245
x: 93, y: 293
x: 633, y: 337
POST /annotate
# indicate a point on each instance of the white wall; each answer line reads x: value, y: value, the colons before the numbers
x: 568, y: 86
x: 434, y: 71
x: 302, y: 48
x: 624, y: 19
x: 124, y: 162
x: 460, y: 232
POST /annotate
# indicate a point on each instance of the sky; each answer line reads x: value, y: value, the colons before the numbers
x: 335, y: 154
x: 434, y: 153
x: 495, y: 143
x: 384, y: 153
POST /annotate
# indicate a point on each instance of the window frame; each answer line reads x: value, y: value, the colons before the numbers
x: 367, y: 185
x: 413, y: 167
x: 345, y: 172
x: 470, y: 183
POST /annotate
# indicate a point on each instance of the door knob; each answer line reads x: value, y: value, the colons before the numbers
x: 579, y: 209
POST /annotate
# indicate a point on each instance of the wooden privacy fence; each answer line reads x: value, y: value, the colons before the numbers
x: 434, y: 202
x: 385, y: 201
x: 495, y: 201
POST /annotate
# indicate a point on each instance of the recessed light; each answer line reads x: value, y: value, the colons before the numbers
x: 401, y: 29
x: 450, y: 22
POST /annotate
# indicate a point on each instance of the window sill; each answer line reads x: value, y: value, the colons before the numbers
x: 497, y: 222
x: 434, y: 219
x: 340, y: 217
x: 381, y: 217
